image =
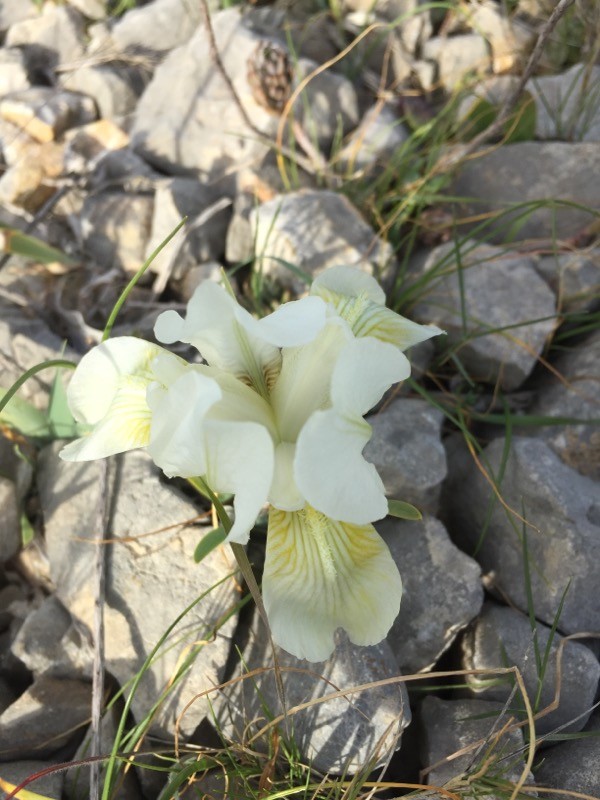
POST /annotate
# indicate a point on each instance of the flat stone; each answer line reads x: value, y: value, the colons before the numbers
x: 574, y: 277
x: 442, y: 591
x: 200, y: 127
x: 49, y: 643
x: 452, y: 725
x: 314, y: 230
x: 45, y: 718
x: 567, y: 105
x: 408, y: 452
x: 490, y: 288
x: 115, y: 228
x: 577, y: 396
x: 46, y: 113
x: 563, y: 522
x: 49, y: 785
x: 150, y: 581
x: 573, y: 766
x: 508, y: 39
x: 457, y: 57
x: 51, y: 38
x: 13, y: 71
x: 338, y: 735
x: 12, y: 11
x: 502, y: 637
x: 526, y: 172
x: 378, y: 136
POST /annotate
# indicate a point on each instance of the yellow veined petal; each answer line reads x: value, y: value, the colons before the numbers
x: 321, y: 575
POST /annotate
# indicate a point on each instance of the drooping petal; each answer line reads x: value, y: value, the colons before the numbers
x: 97, y: 378
x: 330, y: 469
x: 293, y: 324
x: 108, y: 392
x: 358, y: 299
x: 125, y: 426
x: 239, y: 459
x: 321, y: 575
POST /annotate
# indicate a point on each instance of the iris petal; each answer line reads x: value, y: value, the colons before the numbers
x: 320, y: 575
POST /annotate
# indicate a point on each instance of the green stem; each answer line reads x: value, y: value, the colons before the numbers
x: 56, y: 362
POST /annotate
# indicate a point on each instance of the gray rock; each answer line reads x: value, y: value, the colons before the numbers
x: 457, y: 57
x: 44, y: 718
x: 452, y: 725
x: 502, y: 637
x: 577, y: 396
x: 49, y: 643
x: 574, y: 277
x: 328, y: 106
x: 407, y: 450
x: 114, y: 90
x: 9, y: 594
x: 45, y: 113
x: 489, y: 288
x: 338, y: 735
x: 92, y: 9
x: 561, y: 509
x: 314, y: 230
x: 159, y: 26
x: 52, y: 38
x: 10, y: 541
x: 442, y: 591
x: 568, y: 105
x: 150, y: 581
x: 174, y: 199
x: 13, y: 71
x: 526, y: 172
x: 200, y: 127
x: 411, y: 17
x: 573, y: 766
x: 211, y: 271
x: 508, y: 38
x: 376, y: 139
x: 115, y: 228
x: 49, y: 785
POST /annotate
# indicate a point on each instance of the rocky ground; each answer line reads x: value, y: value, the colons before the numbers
x: 113, y: 128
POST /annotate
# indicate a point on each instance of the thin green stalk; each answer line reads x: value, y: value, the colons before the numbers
x: 128, y: 289
x: 53, y: 363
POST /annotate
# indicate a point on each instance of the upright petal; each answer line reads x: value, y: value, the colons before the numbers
x: 330, y: 469
x: 321, y: 575
x: 360, y: 301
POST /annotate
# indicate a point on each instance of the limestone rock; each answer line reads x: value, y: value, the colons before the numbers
x: 44, y: 718
x: 489, y: 288
x: 568, y: 105
x: 45, y: 113
x: 10, y: 541
x: 407, y: 450
x: 150, y: 581
x: 313, y: 230
x: 526, y: 172
x: 502, y: 637
x: 457, y: 56
x: 562, y: 524
x: 379, y: 135
x: 51, y: 38
x: 452, y: 725
x: 578, y: 398
x: 338, y: 735
x: 158, y: 27
x: 574, y: 277
x: 13, y: 71
x: 573, y: 766
x: 115, y: 90
x: 442, y: 591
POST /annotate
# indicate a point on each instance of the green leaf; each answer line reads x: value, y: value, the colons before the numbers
x: 402, y: 510
x: 60, y: 419
x: 19, y: 244
x: 27, y: 531
x: 24, y: 417
x: 208, y: 543
x: 521, y: 125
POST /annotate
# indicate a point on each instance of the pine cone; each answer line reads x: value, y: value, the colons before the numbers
x: 270, y: 75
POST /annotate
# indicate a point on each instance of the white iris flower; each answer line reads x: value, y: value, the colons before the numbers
x: 277, y: 416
